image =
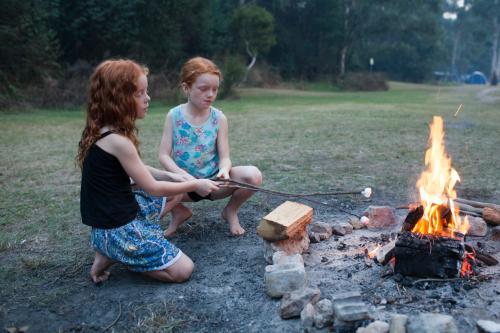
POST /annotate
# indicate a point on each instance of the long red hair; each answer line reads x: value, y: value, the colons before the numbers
x: 111, y: 102
x: 197, y: 66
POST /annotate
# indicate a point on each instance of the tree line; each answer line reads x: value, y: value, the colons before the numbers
x: 298, y: 39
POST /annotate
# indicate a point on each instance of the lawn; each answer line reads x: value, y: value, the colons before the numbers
x: 302, y: 140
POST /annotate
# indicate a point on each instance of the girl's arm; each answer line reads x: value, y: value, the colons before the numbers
x: 164, y: 175
x: 124, y: 150
x: 166, y: 150
x: 223, y: 148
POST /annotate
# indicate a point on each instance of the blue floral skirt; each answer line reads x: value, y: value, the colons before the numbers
x: 139, y: 244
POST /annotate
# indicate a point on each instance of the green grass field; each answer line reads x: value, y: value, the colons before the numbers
x: 303, y: 141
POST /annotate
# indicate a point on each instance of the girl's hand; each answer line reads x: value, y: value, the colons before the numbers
x: 223, y: 174
x: 206, y: 186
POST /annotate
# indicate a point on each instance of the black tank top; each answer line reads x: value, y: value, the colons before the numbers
x: 106, y: 199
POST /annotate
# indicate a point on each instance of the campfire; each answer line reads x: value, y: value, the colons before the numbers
x: 431, y: 243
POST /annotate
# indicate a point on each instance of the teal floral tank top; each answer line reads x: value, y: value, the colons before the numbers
x: 195, y: 147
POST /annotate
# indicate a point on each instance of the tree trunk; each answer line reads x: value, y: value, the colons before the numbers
x: 345, y: 47
x: 495, y: 57
x: 454, y: 53
x: 253, y: 55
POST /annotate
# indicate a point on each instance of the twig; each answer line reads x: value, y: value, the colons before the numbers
x: 118, y: 317
x: 436, y: 280
x: 458, y: 110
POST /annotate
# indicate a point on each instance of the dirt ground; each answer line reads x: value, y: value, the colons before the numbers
x: 227, y: 292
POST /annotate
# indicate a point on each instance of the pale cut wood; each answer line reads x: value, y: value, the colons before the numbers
x: 288, y: 220
x: 386, y: 252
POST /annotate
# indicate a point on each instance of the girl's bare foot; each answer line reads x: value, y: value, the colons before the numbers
x: 180, y: 214
x: 234, y: 224
x: 98, y: 271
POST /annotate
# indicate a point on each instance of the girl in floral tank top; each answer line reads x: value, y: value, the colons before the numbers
x: 195, y: 144
x: 194, y: 148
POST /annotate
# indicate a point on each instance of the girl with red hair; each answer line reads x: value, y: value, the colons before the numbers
x: 125, y: 222
x: 195, y: 145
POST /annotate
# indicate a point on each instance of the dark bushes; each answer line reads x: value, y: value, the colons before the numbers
x: 363, y: 81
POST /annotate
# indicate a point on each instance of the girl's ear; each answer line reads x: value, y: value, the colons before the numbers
x: 185, y: 88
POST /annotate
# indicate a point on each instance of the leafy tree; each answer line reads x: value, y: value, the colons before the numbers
x: 253, y: 28
x: 28, y: 48
x: 404, y: 38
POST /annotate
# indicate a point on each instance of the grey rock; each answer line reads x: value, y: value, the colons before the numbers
x: 351, y: 296
x: 356, y: 223
x: 284, y: 278
x: 398, y: 323
x: 281, y: 258
x: 488, y: 326
x: 351, y: 311
x: 375, y: 327
x: 323, y: 315
x: 307, y: 316
x: 431, y: 323
x: 477, y: 227
x: 319, y: 231
x: 293, y: 303
x: 342, y: 228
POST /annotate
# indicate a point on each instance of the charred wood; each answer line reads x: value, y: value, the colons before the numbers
x: 428, y: 256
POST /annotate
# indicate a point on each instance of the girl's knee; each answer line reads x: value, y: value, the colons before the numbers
x: 254, y: 176
x: 182, y: 270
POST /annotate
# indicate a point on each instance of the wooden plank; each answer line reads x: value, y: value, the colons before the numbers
x: 286, y: 221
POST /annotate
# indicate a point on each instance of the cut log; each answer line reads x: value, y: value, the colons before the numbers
x: 469, y: 208
x: 491, y: 215
x: 289, y: 220
x: 477, y: 204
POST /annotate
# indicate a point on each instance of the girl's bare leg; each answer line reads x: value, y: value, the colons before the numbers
x: 98, y: 271
x: 180, y: 213
x: 246, y: 174
x: 179, y: 272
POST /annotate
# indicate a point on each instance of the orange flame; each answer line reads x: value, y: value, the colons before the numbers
x: 371, y: 254
x: 466, y: 270
x: 436, y: 187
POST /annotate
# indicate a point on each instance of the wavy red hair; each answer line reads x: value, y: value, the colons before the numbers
x: 197, y: 66
x: 111, y: 102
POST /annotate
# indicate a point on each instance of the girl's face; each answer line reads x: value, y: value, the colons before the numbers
x: 141, y: 97
x: 202, y: 93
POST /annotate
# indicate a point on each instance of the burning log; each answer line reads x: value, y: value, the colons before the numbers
x: 484, y: 257
x: 428, y: 255
x: 385, y: 253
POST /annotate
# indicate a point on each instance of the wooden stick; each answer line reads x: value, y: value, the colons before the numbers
x: 468, y: 208
x: 477, y: 204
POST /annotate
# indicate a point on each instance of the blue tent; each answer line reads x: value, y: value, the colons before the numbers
x: 476, y: 78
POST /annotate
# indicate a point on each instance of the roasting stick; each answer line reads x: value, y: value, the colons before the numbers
x: 305, y: 196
